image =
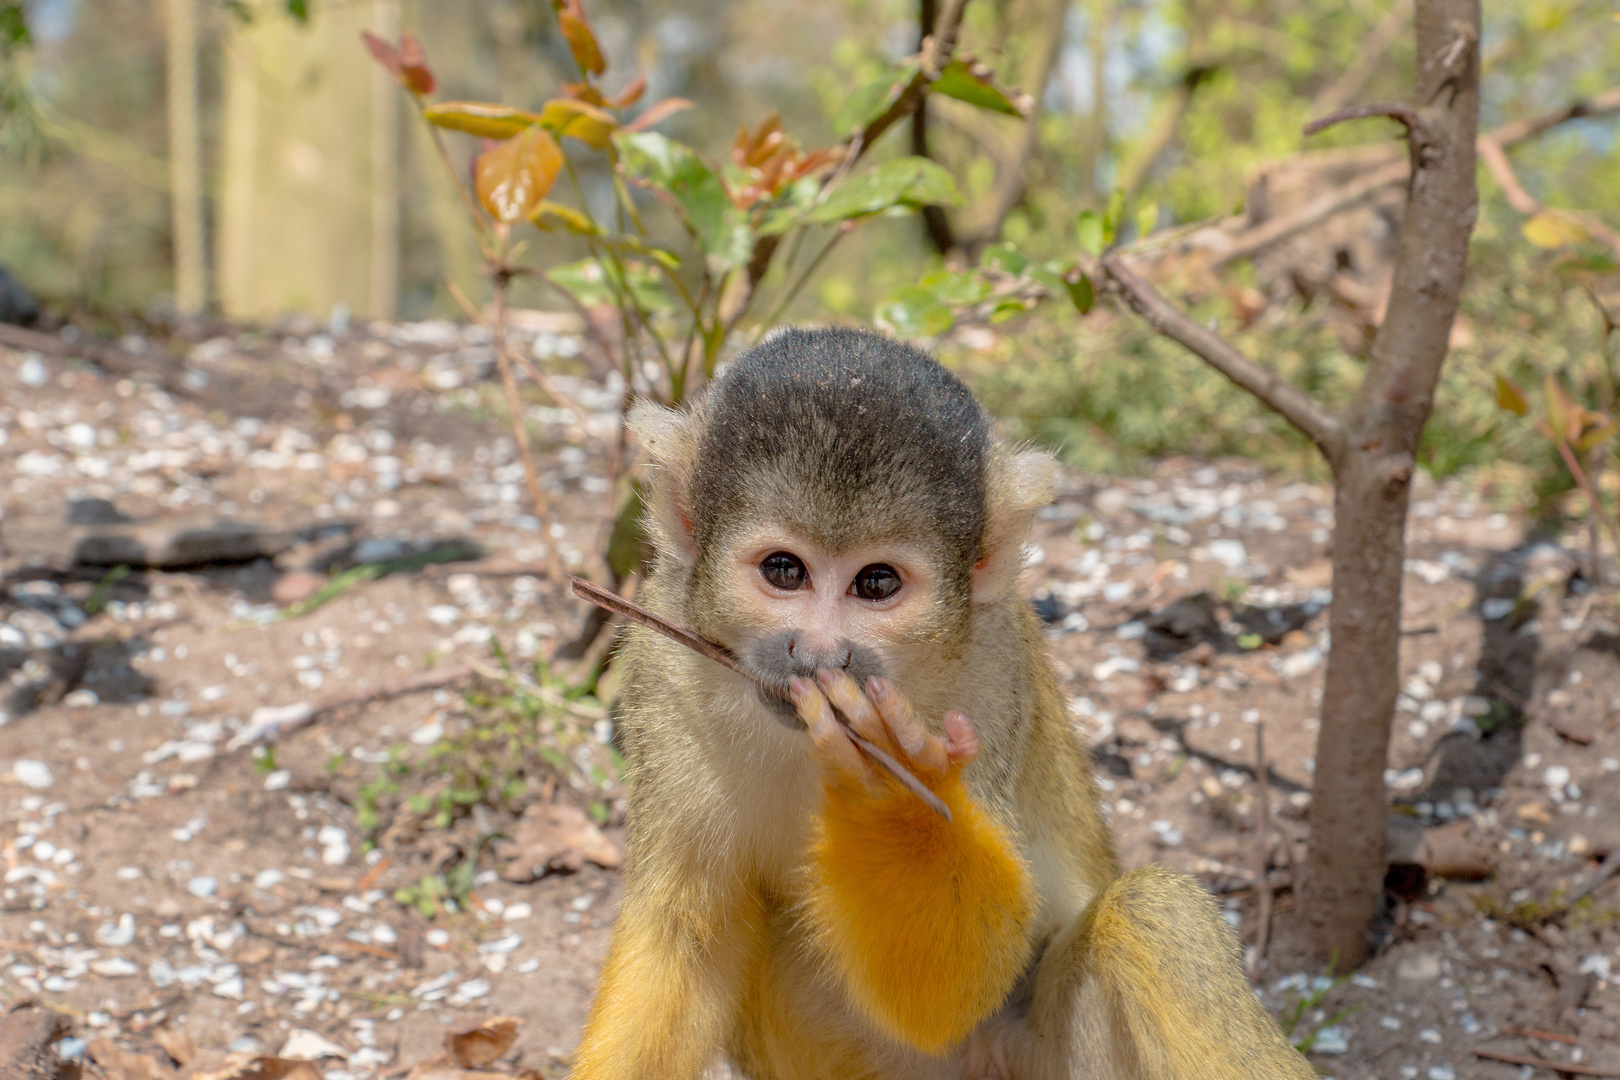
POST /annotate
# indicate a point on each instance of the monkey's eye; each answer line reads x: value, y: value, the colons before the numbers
x: 876, y: 582
x: 784, y: 571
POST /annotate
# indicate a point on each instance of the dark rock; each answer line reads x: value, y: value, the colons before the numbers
x: 94, y: 512
x: 17, y: 306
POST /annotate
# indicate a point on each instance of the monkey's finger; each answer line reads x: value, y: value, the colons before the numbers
x: 848, y: 698
x: 830, y: 744
x: 918, y: 744
x: 961, y: 741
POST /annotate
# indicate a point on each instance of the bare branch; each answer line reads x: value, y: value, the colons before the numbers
x: 1520, y: 130
x: 1347, y: 85
x: 1394, y: 110
x: 1318, y: 209
x: 1321, y: 426
x: 1501, y: 170
x: 935, y: 55
x: 1162, y: 129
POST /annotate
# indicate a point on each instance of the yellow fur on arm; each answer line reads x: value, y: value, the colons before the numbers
x: 668, y: 990
x: 926, y: 919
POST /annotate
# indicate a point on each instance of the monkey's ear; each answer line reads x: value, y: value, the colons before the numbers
x: 1018, y: 485
x: 670, y: 438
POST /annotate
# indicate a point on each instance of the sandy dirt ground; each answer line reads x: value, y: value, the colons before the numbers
x: 361, y: 885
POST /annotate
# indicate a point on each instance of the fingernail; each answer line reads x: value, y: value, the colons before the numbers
x: 826, y: 676
x: 878, y: 687
x: 797, y: 688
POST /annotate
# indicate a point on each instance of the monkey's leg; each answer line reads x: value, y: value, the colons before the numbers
x: 668, y: 992
x: 1148, y: 984
x: 926, y: 920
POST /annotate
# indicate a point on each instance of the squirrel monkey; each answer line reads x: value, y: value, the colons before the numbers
x: 838, y: 512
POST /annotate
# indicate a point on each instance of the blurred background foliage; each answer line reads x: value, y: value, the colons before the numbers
x: 1178, y: 107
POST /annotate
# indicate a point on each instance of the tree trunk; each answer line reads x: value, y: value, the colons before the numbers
x: 1372, y: 448
x: 1345, y: 864
x: 1372, y: 469
x: 185, y: 158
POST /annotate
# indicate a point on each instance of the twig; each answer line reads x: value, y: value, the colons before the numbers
x: 433, y: 680
x: 1569, y: 1068
x: 1377, y: 43
x: 1297, y: 407
x: 1262, y: 852
x: 1537, y: 1033
x: 1496, y: 160
x: 532, y: 688
x: 1394, y: 110
x: 1609, y: 867
x: 169, y: 375
x: 1281, y: 227
x: 721, y: 655
x: 1596, y: 105
x: 518, y: 358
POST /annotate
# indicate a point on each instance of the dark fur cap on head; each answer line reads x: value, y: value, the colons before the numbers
x: 831, y: 430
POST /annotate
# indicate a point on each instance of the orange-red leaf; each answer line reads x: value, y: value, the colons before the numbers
x: 513, y: 178
x: 583, y: 91
x: 581, y: 39
x: 630, y: 94
x: 657, y: 112
x: 577, y: 120
x: 384, y: 53
x: 414, y: 71
x: 479, y: 118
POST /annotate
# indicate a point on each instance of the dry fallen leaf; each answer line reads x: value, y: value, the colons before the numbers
x: 177, y: 1044
x: 249, y: 1066
x: 480, y: 1044
x: 1447, y: 852
x: 120, y: 1064
x: 555, y: 837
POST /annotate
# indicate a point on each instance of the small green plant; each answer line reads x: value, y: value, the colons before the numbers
x: 264, y: 759
x: 1317, y: 991
x: 753, y: 228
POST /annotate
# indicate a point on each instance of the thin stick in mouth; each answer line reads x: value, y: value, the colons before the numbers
x: 613, y: 602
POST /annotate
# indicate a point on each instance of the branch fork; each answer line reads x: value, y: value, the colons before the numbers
x: 1408, y: 117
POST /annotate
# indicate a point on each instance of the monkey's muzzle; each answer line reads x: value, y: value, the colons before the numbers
x: 777, y: 659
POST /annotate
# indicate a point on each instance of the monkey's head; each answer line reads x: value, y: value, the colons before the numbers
x: 838, y: 500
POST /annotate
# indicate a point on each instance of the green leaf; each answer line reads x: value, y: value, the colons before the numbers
x: 719, y: 227
x: 956, y: 288
x: 867, y: 101
x: 970, y: 82
x: 593, y: 282
x: 1004, y: 257
x: 909, y: 181
x: 1081, y: 292
x: 1009, y: 309
x: 1510, y: 397
x: 1147, y: 219
x: 299, y: 10
x: 1091, y: 232
x: 1112, y: 216
x: 14, y: 25
x: 915, y: 312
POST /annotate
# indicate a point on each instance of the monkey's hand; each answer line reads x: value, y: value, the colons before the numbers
x: 926, y: 919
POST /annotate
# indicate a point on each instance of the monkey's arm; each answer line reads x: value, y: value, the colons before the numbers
x: 672, y: 979
x: 925, y: 919
x: 1148, y: 984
